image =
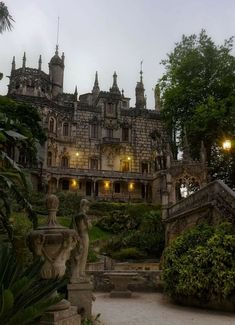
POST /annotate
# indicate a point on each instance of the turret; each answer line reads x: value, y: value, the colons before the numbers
x: 114, y: 89
x: 24, y: 61
x: 157, y: 97
x: 96, y: 88
x: 56, y: 73
x: 139, y: 92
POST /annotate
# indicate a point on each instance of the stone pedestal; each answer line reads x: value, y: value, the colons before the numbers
x: 120, y: 280
x: 61, y: 317
x: 80, y: 295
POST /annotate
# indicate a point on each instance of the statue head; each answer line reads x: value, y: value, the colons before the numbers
x: 84, y: 205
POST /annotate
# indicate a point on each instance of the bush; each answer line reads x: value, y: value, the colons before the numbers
x: 201, y: 264
x: 128, y: 253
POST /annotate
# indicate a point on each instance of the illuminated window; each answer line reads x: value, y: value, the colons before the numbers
x: 125, y: 166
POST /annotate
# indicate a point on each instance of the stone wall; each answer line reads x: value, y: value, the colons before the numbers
x: 146, y: 281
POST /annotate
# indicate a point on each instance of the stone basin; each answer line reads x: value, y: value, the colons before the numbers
x: 120, y: 281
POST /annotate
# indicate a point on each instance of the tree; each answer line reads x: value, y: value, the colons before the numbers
x: 198, y: 94
x: 6, y: 19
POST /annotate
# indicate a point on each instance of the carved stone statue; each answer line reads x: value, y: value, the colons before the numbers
x: 79, y: 255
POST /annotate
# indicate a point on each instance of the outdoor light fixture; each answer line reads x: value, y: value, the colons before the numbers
x: 129, y: 158
x: 227, y: 145
x: 106, y: 185
x: 74, y: 183
x: 77, y: 154
x: 131, y: 186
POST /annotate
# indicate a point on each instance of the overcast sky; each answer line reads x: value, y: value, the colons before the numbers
x: 108, y: 35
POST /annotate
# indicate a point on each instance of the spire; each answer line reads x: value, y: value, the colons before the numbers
x: 24, y: 61
x: 62, y: 57
x: 76, y: 93
x: 96, y: 88
x: 122, y: 92
x: 139, y: 91
x: 40, y: 63
x: 57, y: 49
x: 115, y: 88
x: 13, y: 64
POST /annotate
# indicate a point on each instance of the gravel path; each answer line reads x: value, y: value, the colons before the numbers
x: 153, y: 309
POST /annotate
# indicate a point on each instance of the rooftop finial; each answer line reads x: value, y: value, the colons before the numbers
x: 13, y: 65
x: 40, y: 63
x: 57, y: 36
x: 141, y: 71
x: 24, y: 60
x: 76, y: 93
x: 96, y: 88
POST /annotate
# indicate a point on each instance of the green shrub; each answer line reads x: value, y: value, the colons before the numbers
x: 128, y: 253
x: 201, y: 264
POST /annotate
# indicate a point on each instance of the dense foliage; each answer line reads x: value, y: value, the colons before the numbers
x: 23, y: 296
x: 201, y: 264
x: 138, y: 232
x: 198, y: 95
x: 6, y: 19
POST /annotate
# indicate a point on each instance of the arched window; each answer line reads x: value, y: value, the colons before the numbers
x: 49, y: 158
x: 52, y: 125
x: 65, y: 129
x: 64, y: 162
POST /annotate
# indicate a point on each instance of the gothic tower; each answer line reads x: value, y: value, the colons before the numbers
x: 56, y: 73
x: 139, y: 92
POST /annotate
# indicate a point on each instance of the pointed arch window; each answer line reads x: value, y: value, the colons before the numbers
x: 52, y: 125
x: 64, y: 162
x: 65, y: 129
x: 49, y: 159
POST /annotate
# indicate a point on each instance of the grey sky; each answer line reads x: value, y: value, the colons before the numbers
x: 108, y: 35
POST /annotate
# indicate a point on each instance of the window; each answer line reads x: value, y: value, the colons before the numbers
x: 22, y: 158
x: 94, y: 131
x: 110, y: 133
x: 125, y: 134
x: 117, y: 187
x: 65, y: 129
x: 64, y: 162
x: 145, y: 167
x: 110, y: 108
x: 125, y: 166
x: 51, y: 125
x: 94, y: 163
x: 49, y: 159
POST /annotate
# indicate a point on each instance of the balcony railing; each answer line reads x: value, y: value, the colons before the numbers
x: 111, y: 140
x: 75, y: 172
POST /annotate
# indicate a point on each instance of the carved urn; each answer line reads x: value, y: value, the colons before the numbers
x: 53, y: 243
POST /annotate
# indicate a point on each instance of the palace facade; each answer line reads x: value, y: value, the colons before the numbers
x: 97, y: 145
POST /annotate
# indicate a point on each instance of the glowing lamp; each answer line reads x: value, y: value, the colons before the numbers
x: 227, y: 145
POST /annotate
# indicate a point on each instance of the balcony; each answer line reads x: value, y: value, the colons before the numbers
x: 108, y: 140
x: 102, y: 174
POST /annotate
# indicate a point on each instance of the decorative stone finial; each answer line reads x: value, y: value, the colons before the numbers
x: 40, y: 63
x: 13, y: 65
x: 52, y: 203
x: 114, y: 88
x: 24, y: 60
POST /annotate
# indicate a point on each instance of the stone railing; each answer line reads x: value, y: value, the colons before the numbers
x: 145, y: 281
x: 75, y: 172
x: 216, y: 194
x: 109, y: 140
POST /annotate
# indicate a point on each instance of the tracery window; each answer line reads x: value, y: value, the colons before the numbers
x: 64, y: 162
x: 52, y: 125
x: 65, y: 129
x: 49, y: 159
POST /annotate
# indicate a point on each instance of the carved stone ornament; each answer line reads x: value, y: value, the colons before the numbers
x: 53, y: 242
